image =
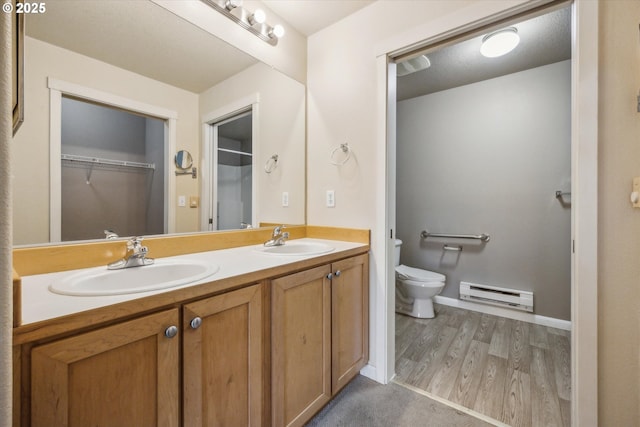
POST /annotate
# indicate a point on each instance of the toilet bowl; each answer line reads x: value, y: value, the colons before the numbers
x: 415, y: 288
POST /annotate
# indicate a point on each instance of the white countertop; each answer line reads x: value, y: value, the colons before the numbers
x: 39, y: 303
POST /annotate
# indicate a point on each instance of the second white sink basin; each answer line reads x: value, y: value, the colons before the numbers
x: 162, y: 274
x: 297, y: 248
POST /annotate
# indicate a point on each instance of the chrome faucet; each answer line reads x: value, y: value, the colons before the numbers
x: 136, y: 256
x: 278, y: 237
x: 110, y: 234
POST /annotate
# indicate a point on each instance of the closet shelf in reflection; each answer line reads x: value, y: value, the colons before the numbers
x: 108, y: 162
x: 97, y: 161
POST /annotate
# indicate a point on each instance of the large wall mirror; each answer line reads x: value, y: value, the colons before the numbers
x: 113, y: 90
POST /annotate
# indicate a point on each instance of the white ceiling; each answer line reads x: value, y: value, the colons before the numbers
x: 543, y: 40
x: 310, y: 16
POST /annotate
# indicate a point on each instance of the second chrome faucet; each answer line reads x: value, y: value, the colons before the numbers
x: 278, y: 237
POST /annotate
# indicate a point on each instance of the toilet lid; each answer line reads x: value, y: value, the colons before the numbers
x: 419, y: 275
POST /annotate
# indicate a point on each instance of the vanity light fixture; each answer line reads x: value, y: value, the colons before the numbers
x: 253, y: 22
x: 499, y: 42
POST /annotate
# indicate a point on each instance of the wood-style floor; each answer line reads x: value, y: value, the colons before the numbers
x: 515, y: 372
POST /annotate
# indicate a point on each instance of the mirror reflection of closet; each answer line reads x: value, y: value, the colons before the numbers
x: 112, y: 172
x: 233, y: 173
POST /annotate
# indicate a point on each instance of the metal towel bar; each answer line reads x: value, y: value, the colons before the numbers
x: 483, y: 237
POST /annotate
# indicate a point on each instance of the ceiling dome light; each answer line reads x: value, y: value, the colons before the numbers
x: 500, y: 42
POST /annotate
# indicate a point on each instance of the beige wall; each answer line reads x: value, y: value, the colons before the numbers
x: 31, y: 145
x: 619, y: 223
x: 281, y: 115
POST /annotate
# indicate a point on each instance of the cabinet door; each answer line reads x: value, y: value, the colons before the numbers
x: 349, y: 319
x: 223, y: 356
x: 122, y: 375
x: 301, y: 340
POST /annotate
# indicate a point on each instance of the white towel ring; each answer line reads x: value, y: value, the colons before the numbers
x: 271, y: 164
x: 345, y: 149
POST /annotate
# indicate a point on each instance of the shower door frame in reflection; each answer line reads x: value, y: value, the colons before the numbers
x: 248, y: 105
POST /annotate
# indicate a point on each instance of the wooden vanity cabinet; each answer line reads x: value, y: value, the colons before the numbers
x: 223, y: 359
x: 129, y: 374
x: 120, y: 375
x: 319, y: 336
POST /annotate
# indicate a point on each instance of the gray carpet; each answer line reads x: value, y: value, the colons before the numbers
x: 366, y: 403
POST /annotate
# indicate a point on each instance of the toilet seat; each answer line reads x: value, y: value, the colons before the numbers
x: 426, y: 277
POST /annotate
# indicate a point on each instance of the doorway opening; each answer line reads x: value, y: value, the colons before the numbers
x: 112, y: 172
x: 232, y: 188
x: 447, y: 160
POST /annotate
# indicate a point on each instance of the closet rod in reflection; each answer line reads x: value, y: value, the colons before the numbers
x: 242, y: 153
x: 109, y: 162
x: 484, y: 237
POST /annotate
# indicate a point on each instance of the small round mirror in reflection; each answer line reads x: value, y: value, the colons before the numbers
x: 183, y: 159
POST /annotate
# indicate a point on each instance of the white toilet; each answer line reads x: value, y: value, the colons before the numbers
x: 415, y: 288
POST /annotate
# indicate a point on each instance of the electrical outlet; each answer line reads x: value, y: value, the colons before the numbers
x: 285, y: 198
x: 331, y: 199
x: 182, y: 201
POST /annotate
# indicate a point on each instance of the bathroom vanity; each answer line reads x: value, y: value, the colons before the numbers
x: 266, y: 340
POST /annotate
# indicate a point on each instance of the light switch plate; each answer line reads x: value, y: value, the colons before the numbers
x: 182, y: 201
x: 636, y: 189
x: 331, y: 199
x: 285, y: 198
x: 194, y: 201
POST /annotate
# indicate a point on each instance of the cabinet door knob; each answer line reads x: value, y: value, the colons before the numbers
x: 330, y: 276
x: 338, y: 273
x: 195, y: 322
x: 171, y: 331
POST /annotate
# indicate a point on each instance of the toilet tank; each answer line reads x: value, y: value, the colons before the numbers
x: 397, y: 252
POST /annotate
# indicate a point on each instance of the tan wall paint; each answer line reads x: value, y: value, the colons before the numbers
x: 31, y: 154
x: 619, y: 223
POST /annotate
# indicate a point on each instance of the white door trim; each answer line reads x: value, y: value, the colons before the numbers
x: 207, y: 159
x: 58, y: 88
x: 584, y: 286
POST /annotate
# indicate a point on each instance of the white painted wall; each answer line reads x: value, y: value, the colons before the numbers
x: 488, y: 158
x: 280, y: 130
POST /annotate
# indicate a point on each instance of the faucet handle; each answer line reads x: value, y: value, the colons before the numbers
x: 135, y: 243
x: 278, y: 230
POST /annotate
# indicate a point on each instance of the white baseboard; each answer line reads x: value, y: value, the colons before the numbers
x: 371, y: 372
x: 505, y: 312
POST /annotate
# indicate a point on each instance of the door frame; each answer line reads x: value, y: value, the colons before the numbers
x: 59, y: 88
x: 209, y: 155
x: 584, y: 165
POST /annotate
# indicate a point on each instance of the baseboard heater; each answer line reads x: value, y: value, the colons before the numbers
x: 504, y: 297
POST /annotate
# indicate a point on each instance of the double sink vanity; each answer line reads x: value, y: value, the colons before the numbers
x: 218, y: 330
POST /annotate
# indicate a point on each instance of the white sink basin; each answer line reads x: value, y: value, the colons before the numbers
x: 297, y: 248
x: 162, y: 274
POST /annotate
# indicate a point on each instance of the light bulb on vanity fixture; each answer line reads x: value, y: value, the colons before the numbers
x: 232, y: 4
x: 277, y: 31
x: 257, y: 17
x: 499, y: 42
x: 254, y: 22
